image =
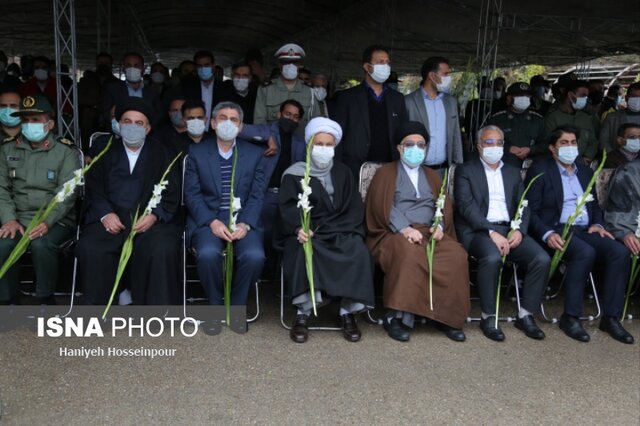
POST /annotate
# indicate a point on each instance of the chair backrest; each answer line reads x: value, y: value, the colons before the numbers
x: 450, y: 180
x: 96, y: 135
x: 602, y: 186
x: 367, y: 171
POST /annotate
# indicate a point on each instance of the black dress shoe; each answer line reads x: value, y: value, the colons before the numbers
x: 299, y: 332
x: 572, y: 327
x: 350, y: 329
x: 490, y: 330
x: 396, y: 330
x: 454, y: 334
x: 530, y: 328
x: 612, y: 326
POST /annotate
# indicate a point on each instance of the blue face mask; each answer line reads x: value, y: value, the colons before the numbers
x: 7, y: 119
x: 133, y: 135
x: 34, y: 132
x: 413, y: 156
x: 205, y: 73
x: 115, y: 127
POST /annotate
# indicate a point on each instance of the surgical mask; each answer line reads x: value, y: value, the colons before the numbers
x: 176, y: 118
x: 157, y: 77
x: 115, y: 126
x: 320, y: 93
x: 619, y: 100
x: 133, y: 135
x: 579, y: 103
x: 521, y: 103
x: 40, y: 74
x: 413, y: 156
x: 34, y: 132
x: 132, y: 74
x: 634, y: 104
x: 205, y: 73
x: 226, y: 130
x: 632, y: 145
x: 567, y: 154
x: 195, y: 127
x: 322, y: 156
x: 381, y: 72
x: 241, y: 84
x: 290, y: 71
x: 287, y: 125
x: 445, y: 84
x: 492, y: 154
x: 7, y: 119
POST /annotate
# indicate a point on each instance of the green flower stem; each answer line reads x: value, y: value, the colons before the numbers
x: 306, y: 227
x: 41, y: 215
x: 633, y: 276
x: 517, y: 218
x: 228, y: 270
x: 431, y: 247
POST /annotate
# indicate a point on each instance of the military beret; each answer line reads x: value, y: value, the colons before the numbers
x: 36, y: 104
x: 519, y: 88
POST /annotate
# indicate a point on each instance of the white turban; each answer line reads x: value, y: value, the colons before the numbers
x: 322, y: 125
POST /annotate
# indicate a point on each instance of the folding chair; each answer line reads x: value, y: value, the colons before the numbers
x: 189, y: 251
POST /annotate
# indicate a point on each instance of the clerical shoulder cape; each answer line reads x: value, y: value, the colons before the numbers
x: 406, y: 282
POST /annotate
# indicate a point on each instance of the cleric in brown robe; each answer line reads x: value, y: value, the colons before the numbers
x: 400, y: 208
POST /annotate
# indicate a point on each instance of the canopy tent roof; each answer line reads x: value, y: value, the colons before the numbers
x: 332, y: 32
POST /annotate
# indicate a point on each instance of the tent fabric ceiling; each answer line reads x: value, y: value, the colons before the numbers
x: 332, y: 32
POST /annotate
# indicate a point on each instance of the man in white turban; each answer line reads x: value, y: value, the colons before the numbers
x: 342, y: 266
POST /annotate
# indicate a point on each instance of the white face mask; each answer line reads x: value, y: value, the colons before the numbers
x: 320, y: 93
x: 290, y: 71
x: 445, y: 84
x: 322, y: 156
x: 619, y: 100
x: 40, y: 74
x: 195, y: 127
x: 381, y: 72
x: 226, y: 130
x: 579, y: 103
x: 157, y: 77
x: 632, y: 145
x: 492, y: 154
x: 634, y: 104
x: 133, y: 75
x: 241, y: 84
x: 567, y: 154
x: 521, y: 103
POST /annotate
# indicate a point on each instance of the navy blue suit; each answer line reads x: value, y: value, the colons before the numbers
x: 203, y: 196
x: 545, y: 202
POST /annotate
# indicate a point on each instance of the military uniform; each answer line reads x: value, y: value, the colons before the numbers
x: 30, y: 176
x: 523, y: 130
x: 273, y: 93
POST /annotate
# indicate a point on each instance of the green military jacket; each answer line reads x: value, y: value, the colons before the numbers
x: 272, y: 94
x: 31, y: 177
x: 522, y: 130
x: 588, y: 124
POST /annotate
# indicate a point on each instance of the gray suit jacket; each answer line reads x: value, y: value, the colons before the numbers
x: 417, y: 112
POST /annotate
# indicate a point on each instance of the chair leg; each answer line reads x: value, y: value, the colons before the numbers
x: 255, y: 317
x: 595, y: 298
x: 503, y: 318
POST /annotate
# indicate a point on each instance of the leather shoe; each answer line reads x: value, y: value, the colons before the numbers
x: 396, y: 330
x: 572, y: 327
x: 530, y: 328
x: 299, y: 332
x: 350, y: 329
x: 490, y: 330
x: 454, y: 334
x: 612, y: 326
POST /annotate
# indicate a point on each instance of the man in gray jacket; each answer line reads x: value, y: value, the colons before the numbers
x: 432, y: 106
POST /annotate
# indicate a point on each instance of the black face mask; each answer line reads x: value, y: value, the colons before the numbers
x: 287, y: 125
x: 596, y: 97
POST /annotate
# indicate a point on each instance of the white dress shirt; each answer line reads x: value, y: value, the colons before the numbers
x: 133, y: 156
x: 207, y: 97
x: 498, y: 211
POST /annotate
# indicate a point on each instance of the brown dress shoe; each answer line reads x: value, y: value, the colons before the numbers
x: 350, y: 329
x: 299, y: 332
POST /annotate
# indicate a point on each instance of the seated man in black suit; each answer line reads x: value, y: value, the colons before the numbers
x: 487, y: 194
x: 553, y: 199
x: 121, y: 182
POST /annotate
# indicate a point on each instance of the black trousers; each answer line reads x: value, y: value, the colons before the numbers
x: 153, y: 272
x: 529, y: 255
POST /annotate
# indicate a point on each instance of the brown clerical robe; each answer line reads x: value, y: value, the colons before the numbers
x: 406, y: 282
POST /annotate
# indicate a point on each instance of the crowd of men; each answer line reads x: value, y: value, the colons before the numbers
x: 246, y: 141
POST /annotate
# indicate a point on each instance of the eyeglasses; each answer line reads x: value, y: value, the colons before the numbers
x: 411, y: 144
x: 493, y: 142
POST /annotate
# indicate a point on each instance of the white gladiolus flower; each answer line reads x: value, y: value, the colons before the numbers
x: 236, y: 205
x: 589, y: 198
x: 638, y: 228
x: 440, y: 203
x: 69, y: 187
x: 515, y: 224
x: 525, y: 203
x: 438, y: 214
x: 156, y: 197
